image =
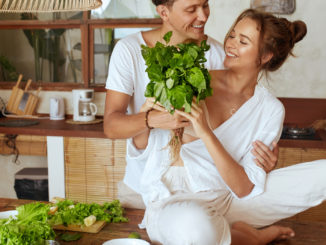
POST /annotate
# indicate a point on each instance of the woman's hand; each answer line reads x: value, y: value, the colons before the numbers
x: 198, y: 117
x: 265, y: 158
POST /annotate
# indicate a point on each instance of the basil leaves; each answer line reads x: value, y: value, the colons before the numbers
x: 177, y: 73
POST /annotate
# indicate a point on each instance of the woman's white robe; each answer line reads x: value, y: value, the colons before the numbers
x: 280, y: 194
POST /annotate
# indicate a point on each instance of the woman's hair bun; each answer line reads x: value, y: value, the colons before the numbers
x: 299, y: 30
x: 159, y: 2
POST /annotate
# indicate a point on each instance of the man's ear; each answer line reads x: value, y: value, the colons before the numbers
x: 163, y: 12
x: 266, y: 57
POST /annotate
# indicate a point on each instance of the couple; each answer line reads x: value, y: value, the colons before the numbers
x: 216, y: 181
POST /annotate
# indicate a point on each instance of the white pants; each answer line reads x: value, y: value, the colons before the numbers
x: 187, y: 220
x: 288, y: 191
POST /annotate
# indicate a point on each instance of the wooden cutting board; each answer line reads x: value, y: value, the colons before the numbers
x: 94, y: 228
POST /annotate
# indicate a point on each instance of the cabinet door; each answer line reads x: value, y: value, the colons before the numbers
x: 93, y: 167
x: 290, y: 156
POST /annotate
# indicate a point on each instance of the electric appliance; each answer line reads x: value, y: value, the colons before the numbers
x: 84, y: 109
x: 57, y: 108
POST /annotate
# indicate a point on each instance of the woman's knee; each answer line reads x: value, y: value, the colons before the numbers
x: 185, y: 223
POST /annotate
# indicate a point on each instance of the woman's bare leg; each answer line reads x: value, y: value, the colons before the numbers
x: 243, y: 234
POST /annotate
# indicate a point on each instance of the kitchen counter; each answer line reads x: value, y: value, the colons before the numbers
x: 300, y: 143
x: 48, y: 127
x: 312, y: 233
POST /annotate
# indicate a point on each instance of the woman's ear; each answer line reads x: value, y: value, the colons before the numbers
x: 266, y: 57
x: 162, y: 11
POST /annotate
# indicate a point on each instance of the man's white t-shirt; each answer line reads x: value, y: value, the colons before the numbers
x: 127, y: 75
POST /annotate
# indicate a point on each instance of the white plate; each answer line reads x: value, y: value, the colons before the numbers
x: 7, y: 214
x: 126, y: 241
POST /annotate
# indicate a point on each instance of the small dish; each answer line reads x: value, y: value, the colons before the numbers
x: 51, y: 242
x: 7, y: 214
x: 126, y: 241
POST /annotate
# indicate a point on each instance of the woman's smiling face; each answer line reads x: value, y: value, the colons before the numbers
x: 242, y: 44
x: 188, y: 18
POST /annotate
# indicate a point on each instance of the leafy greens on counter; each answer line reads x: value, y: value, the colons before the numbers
x: 34, y: 221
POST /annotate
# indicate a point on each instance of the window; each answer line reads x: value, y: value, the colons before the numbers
x: 62, y: 51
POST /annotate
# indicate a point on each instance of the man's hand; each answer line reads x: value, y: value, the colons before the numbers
x: 161, y: 118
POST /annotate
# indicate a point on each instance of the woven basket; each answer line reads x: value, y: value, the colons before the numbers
x: 12, y: 6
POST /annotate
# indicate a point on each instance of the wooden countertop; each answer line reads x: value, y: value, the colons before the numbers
x: 48, y: 127
x: 307, y: 233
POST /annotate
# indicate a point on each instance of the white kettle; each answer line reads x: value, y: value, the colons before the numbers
x: 57, y: 108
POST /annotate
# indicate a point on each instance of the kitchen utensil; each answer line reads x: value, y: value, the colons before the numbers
x: 32, y: 102
x: 84, y: 109
x: 94, y: 228
x: 14, y: 94
x: 57, y: 108
x: 24, y: 99
x: 22, y: 102
x: 126, y: 241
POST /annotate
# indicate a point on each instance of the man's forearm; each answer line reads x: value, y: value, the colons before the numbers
x: 122, y: 126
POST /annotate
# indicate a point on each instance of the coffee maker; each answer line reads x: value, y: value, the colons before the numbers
x: 84, y: 109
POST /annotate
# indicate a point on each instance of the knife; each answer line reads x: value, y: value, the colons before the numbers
x: 22, y: 103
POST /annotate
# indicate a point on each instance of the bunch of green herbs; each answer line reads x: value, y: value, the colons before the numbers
x: 177, y: 73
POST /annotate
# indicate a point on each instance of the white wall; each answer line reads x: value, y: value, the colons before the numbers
x: 303, y: 76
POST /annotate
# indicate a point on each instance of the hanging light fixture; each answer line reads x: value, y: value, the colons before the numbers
x: 33, y: 6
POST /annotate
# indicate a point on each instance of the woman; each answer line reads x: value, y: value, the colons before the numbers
x: 218, y: 173
x: 127, y: 78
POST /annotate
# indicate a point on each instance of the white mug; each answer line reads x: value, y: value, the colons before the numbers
x: 57, y: 108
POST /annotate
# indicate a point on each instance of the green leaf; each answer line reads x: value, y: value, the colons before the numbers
x: 164, y: 100
x: 135, y: 235
x: 170, y: 83
x: 167, y: 36
x: 188, y: 60
x: 196, y: 78
x: 149, y: 92
x: 177, y: 96
x: 204, y: 46
x: 158, y: 87
x: 187, y: 107
x: 155, y: 72
x: 68, y: 237
x: 176, y: 61
x: 193, y: 52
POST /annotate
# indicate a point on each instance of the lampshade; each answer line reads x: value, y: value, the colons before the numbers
x: 30, y: 6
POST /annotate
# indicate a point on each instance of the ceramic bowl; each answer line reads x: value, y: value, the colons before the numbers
x: 7, y: 214
x: 126, y: 241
